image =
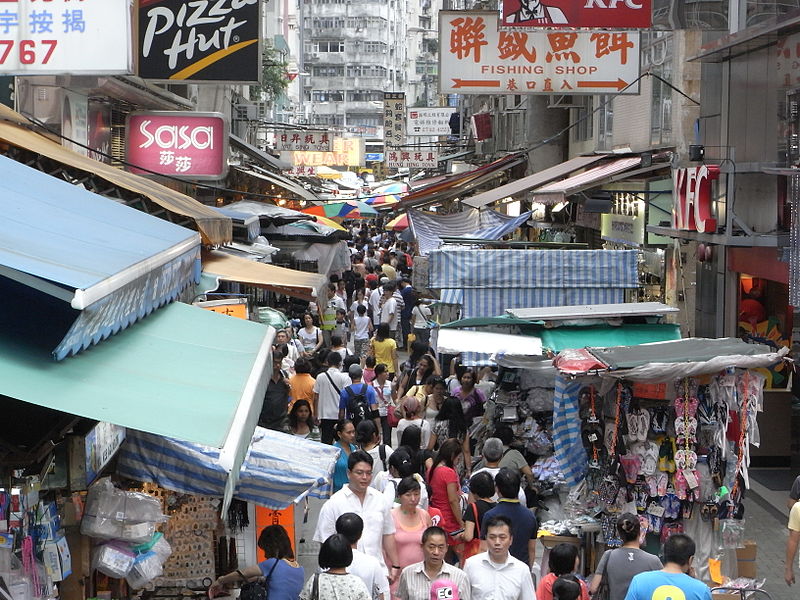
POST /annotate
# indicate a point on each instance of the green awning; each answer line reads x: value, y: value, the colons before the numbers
x: 183, y: 372
x: 563, y: 338
x: 486, y: 321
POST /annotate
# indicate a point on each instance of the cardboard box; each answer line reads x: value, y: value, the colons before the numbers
x: 746, y: 559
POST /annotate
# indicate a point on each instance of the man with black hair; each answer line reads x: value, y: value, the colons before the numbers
x: 524, y: 526
x: 673, y: 581
x: 365, y: 567
x: 275, y: 406
x: 327, y: 393
x: 368, y: 503
x: 496, y: 574
x: 417, y: 578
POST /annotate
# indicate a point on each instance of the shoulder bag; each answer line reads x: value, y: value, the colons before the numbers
x: 603, y: 592
x: 257, y: 589
x: 473, y: 547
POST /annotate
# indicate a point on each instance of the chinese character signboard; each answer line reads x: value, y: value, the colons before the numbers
x: 476, y: 58
x: 692, y: 199
x: 394, y: 119
x: 622, y: 229
x: 412, y: 159
x: 429, y: 121
x: 618, y: 14
x: 317, y: 141
x: 200, y: 41
x: 90, y: 37
x: 302, y: 170
x: 182, y: 144
x: 347, y: 152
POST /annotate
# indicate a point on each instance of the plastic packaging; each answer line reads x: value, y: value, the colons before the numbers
x: 114, y: 514
x: 732, y: 533
x: 114, y: 559
x: 145, y: 568
x: 158, y: 544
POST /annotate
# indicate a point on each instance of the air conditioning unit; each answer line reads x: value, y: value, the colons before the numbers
x: 245, y: 112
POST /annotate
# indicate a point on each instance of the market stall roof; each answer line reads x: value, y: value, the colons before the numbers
x: 247, y: 227
x: 214, y: 228
x: 557, y: 339
x: 592, y: 311
x: 183, y: 372
x: 531, y: 181
x: 504, y: 320
x: 476, y: 347
x: 429, y: 228
x: 298, y: 284
x: 560, y: 190
x: 278, y: 469
x: 269, y: 214
x: 668, y: 360
x: 280, y: 181
x: 94, y: 266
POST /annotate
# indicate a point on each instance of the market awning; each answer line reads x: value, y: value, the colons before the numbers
x: 530, y: 182
x: 592, y: 311
x: 298, y: 284
x: 557, y: 339
x: 78, y: 267
x: 429, y: 228
x: 269, y: 214
x: 183, y: 372
x: 477, y: 347
x: 245, y: 227
x: 502, y: 320
x: 214, y: 228
x: 668, y: 360
x: 278, y: 469
x: 259, y: 155
x: 281, y: 181
x: 560, y: 190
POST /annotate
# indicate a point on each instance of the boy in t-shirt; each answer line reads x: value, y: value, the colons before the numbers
x: 342, y: 327
x: 362, y: 328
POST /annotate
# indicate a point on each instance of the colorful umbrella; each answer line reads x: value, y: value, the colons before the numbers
x: 399, y: 223
x: 349, y: 209
x: 329, y: 223
x: 387, y: 194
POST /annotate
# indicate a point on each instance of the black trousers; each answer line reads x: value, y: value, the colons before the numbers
x: 326, y: 430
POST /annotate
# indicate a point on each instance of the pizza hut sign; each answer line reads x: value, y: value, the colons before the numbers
x: 189, y: 145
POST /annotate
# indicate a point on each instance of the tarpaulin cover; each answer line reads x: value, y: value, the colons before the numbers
x: 430, y: 228
x: 557, y: 339
x: 567, y: 444
x: 267, y: 213
x: 477, y: 347
x: 493, y: 281
x: 278, y: 468
x: 106, y: 265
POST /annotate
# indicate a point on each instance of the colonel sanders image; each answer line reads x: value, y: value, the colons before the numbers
x: 533, y: 12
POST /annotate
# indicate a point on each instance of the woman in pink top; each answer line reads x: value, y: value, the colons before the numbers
x: 409, y: 522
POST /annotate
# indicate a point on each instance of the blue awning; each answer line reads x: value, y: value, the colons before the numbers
x: 82, y: 263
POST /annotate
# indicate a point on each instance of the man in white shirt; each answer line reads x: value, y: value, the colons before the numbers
x: 374, y: 302
x: 327, y: 389
x: 492, y: 452
x: 368, y: 503
x: 389, y: 312
x: 365, y: 567
x: 495, y: 574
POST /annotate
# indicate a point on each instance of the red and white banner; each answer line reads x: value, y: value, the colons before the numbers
x: 617, y: 14
x: 181, y: 144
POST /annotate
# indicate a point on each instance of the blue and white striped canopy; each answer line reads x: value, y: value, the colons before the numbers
x: 279, y: 469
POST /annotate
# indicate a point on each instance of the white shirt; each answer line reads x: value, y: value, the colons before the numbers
x: 369, y: 570
x: 375, y: 302
x: 362, y: 327
x: 493, y: 471
x: 424, y: 426
x: 375, y: 512
x: 419, y: 316
x: 389, y: 486
x: 389, y: 313
x: 491, y: 581
x: 328, y: 402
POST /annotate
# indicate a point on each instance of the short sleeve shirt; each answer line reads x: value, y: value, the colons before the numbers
x: 368, y: 391
x: 658, y: 584
x: 794, y: 517
x: 794, y: 494
x: 620, y: 565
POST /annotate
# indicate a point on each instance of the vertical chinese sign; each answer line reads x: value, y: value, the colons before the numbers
x: 478, y: 58
x: 394, y: 119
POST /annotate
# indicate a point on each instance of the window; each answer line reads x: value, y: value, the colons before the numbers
x: 584, y: 119
x: 365, y: 96
x: 657, y: 57
x: 327, y: 95
x: 328, y: 46
x: 366, y: 71
x: 605, y: 123
x: 328, y: 71
x: 374, y: 47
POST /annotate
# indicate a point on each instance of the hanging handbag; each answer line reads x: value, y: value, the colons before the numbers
x: 603, y: 591
x: 257, y: 589
x: 473, y: 547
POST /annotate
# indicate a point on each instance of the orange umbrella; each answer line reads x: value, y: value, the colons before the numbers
x: 329, y: 222
x: 399, y: 223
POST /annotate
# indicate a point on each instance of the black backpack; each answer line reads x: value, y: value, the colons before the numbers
x: 357, y: 405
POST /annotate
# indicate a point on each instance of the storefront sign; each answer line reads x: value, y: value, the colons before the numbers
x: 394, y: 119
x: 233, y: 307
x: 101, y: 444
x: 620, y: 14
x: 39, y: 37
x: 691, y: 209
x: 429, y: 121
x: 622, y: 229
x: 181, y: 144
x: 200, y: 41
x: 476, y: 58
x: 374, y: 157
x: 99, y: 139
x: 266, y: 517
x: 402, y: 159
x: 347, y: 152
x: 317, y: 141
x: 74, y: 121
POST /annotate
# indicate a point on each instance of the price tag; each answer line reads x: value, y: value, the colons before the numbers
x: 691, y: 480
x: 656, y: 510
x: 593, y: 437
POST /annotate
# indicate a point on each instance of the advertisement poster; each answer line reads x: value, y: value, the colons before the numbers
x: 99, y: 116
x: 200, y: 41
x: 429, y: 121
x: 74, y: 122
x: 619, y: 14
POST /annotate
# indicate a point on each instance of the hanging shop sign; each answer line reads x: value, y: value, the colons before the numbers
x: 347, y: 152
x: 429, y: 121
x: 200, y: 41
x: 692, y: 198
x: 102, y: 444
x: 622, y: 229
x: 394, y: 119
x: 620, y: 14
x: 193, y: 145
x: 52, y: 36
x: 402, y: 159
x: 316, y: 141
x: 476, y: 58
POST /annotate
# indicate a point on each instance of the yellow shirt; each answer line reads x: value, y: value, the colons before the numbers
x: 383, y: 352
x: 389, y: 271
x: 794, y: 517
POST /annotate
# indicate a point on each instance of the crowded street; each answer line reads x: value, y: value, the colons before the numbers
x: 399, y: 300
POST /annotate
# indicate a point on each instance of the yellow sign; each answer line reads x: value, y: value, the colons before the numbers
x: 236, y: 307
x: 347, y: 152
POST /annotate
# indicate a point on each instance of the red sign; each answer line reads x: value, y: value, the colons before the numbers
x: 633, y: 14
x: 182, y: 144
x: 692, y: 210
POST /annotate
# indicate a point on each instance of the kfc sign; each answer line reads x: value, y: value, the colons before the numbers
x: 628, y: 14
x: 692, y: 210
x: 181, y: 144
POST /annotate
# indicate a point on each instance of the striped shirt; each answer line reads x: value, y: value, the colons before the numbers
x: 416, y: 585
